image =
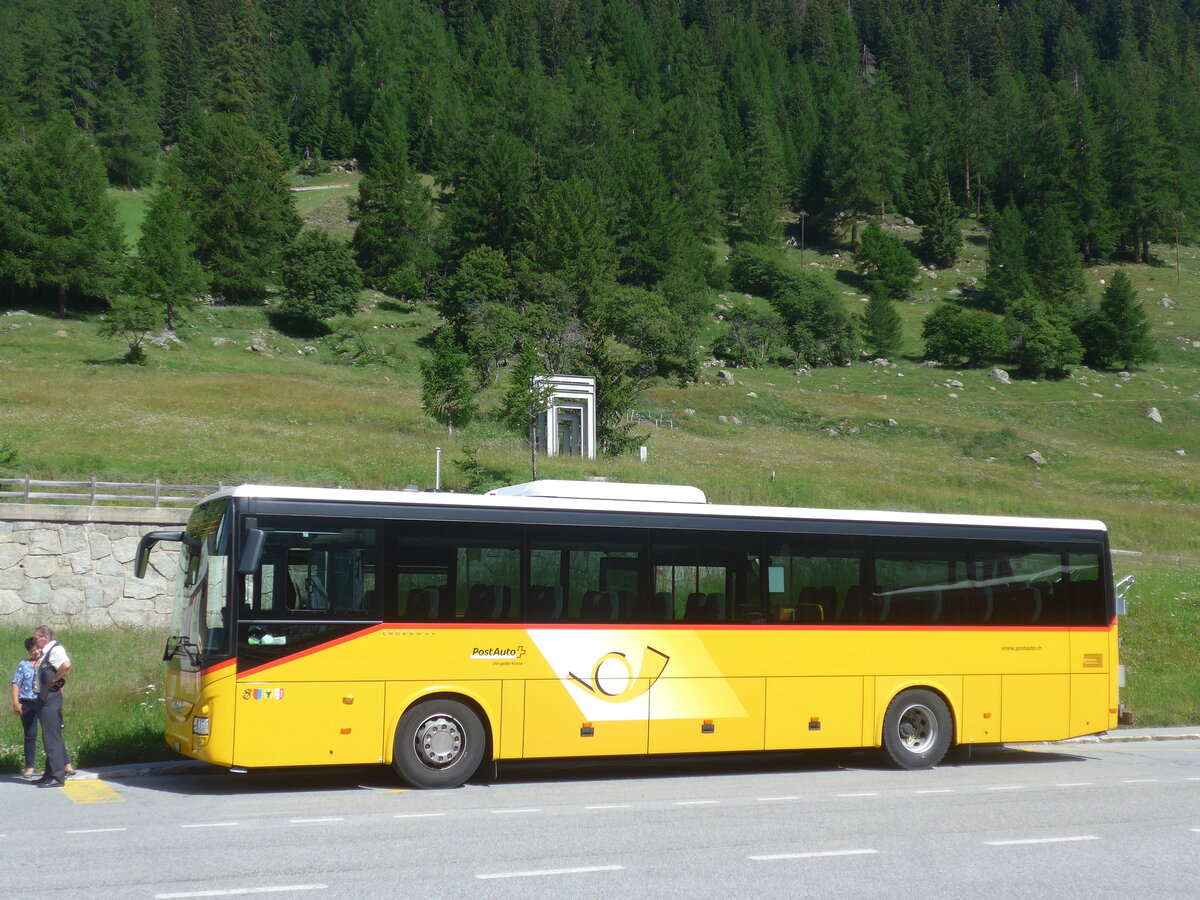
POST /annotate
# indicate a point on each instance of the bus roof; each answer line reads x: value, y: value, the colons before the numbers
x: 611, y: 497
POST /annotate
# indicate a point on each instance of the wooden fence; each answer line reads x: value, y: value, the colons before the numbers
x: 92, y: 492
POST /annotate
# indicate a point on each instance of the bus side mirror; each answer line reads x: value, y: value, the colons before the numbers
x: 252, y: 549
x: 142, y: 560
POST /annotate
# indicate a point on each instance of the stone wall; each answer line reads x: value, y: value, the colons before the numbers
x: 72, y: 566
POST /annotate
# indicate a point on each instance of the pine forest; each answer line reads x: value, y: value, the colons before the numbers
x: 571, y: 179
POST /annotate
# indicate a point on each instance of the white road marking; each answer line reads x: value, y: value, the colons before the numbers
x: 1139, y: 780
x: 1193, y: 829
x: 1075, y: 784
x: 936, y: 791
x: 503, y: 811
x: 538, y: 873
x: 696, y: 802
x: 1050, y: 840
x: 813, y: 854
x: 1008, y: 787
x: 417, y: 815
x: 210, y: 825
x: 94, y: 830
x: 233, y: 892
x: 611, y: 806
x: 861, y: 794
x: 776, y: 799
x: 322, y: 819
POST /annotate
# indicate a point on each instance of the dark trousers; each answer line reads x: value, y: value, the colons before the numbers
x: 29, y: 722
x: 50, y: 717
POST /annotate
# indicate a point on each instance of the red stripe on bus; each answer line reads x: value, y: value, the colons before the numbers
x: 616, y: 626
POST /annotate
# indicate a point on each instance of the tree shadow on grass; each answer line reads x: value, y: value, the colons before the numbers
x: 851, y: 279
x: 391, y: 304
x: 296, y: 326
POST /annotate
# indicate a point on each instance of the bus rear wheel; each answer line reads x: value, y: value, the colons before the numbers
x: 917, y: 729
x: 439, y: 744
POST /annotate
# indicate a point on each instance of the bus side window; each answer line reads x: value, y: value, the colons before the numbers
x: 321, y: 574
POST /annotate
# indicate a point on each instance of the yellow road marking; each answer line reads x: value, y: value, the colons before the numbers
x: 94, y: 791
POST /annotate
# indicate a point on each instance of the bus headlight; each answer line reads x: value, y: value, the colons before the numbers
x: 200, y: 725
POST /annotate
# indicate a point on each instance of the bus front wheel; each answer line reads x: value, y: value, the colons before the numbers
x: 439, y: 744
x: 917, y: 729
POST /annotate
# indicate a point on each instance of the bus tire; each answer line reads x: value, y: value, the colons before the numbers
x: 439, y: 744
x: 917, y: 729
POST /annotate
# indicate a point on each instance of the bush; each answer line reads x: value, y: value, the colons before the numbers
x: 819, y: 329
x: 1043, y: 343
x: 320, y: 279
x: 131, y: 319
x: 963, y: 337
x: 753, y: 338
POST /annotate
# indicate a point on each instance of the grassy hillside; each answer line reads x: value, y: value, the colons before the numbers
x: 903, y: 436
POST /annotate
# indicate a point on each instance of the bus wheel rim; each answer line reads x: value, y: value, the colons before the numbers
x: 439, y: 740
x: 917, y: 728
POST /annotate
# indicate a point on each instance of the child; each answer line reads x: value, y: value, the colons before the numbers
x: 24, y: 702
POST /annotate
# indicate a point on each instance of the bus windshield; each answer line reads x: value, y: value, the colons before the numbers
x: 200, y: 618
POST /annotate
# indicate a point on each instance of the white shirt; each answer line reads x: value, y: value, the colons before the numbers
x: 55, y: 654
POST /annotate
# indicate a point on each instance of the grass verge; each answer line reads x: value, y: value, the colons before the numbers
x: 113, y: 701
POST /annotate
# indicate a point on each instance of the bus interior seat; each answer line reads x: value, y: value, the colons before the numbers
x: 1026, y: 606
x: 662, y: 607
x: 809, y: 608
x: 1087, y: 602
x: 808, y: 613
x: 851, y: 610
x: 702, y: 607
x: 488, y: 602
x: 545, y: 603
x: 422, y: 603
x: 598, y: 606
x: 984, y: 605
x: 879, y: 606
x: 827, y: 596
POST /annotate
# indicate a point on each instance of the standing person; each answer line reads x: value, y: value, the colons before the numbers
x: 51, y: 675
x: 24, y: 702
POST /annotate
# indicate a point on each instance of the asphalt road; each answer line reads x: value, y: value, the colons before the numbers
x: 1072, y: 820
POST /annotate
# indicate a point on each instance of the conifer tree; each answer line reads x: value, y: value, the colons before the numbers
x: 761, y: 189
x: 881, y: 326
x: 1007, y: 277
x: 230, y: 182
x: 394, y: 209
x: 941, y: 236
x: 569, y: 236
x: 1119, y: 331
x: 165, y: 272
x: 616, y: 394
x: 885, y: 264
x: 447, y: 395
x: 526, y: 399
x: 58, y: 229
x: 489, y: 205
x: 1055, y: 263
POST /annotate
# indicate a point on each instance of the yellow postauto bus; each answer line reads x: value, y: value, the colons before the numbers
x: 440, y: 632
